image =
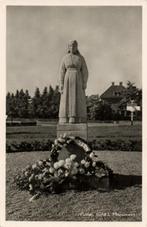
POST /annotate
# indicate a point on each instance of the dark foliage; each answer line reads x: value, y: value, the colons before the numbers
x: 41, y: 105
x: 44, y: 145
x: 34, y: 145
x: 45, y: 105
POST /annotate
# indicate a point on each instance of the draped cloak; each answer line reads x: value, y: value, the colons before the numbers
x: 73, y: 78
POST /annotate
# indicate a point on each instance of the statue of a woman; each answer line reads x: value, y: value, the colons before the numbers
x: 73, y: 82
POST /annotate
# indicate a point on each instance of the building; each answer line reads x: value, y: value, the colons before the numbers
x: 113, y: 95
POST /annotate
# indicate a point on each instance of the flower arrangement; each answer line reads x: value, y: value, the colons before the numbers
x: 54, y: 176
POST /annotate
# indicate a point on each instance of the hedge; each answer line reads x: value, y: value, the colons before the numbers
x: 45, y: 145
x: 35, y: 145
x: 130, y: 145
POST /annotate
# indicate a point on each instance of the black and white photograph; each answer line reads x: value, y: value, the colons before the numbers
x: 73, y: 113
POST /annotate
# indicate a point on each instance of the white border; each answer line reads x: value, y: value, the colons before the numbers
x: 3, y: 5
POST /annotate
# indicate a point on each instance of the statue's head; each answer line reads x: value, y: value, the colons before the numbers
x: 73, y: 47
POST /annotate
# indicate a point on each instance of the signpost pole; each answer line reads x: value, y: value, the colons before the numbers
x: 132, y: 107
x: 132, y: 116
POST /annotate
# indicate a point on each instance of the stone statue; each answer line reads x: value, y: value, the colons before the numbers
x: 73, y: 82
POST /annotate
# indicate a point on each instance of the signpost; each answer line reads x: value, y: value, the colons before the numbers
x: 132, y: 107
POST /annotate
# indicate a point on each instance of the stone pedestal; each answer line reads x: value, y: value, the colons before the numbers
x: 79, y: 129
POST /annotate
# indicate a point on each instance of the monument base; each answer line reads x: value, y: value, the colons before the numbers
x: 79, y: 129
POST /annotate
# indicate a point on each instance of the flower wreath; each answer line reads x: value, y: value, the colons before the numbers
x: 64, y: 141
x: 54, y: 176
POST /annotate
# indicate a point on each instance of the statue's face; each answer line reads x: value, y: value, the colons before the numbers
x: 72, y: 47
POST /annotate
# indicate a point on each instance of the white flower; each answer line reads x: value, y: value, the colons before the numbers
x: 30, y: 187
x: 88, y: 173
x: 76, y: 164
x: 40, y: 163
x: 45, y: 170
x: 56, y: 142
x: 26, y: 173
x: 68, y: 160
x: 68, y: 141
x: 56, y: 165
x: 40, y: 176
x: 80, y: 143
x: 55, y: 174
x: 51, y: 170
x: 83, y: 161
x: 66, y: 173
x: 34, y: 166
x: 60, y: 171
x: 61, y: 163
x: 36, y: 177
x: 94, y: 164
x: 48, y: 163
x: 92, y: 155
x: 64, y: 135
x: 74, y: 171
x: 87, y: 149
x: 31, y: 177
x: 62, y: 140
x: 72, y: 157
x: 81, y: 170
x: 87, y: 164
x: 85, y: 146
x: 67, y: 165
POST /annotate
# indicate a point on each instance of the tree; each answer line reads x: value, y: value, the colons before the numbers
x: 92, y: 105
x: 52, y: 102
x: 26, y: 103
x: 104, y: 111
x: 10, y: 106
x: 132, y: 93
x: 97, y: 109
x: 45, y: 103
x: 8, y: 102
x: 55, y: 102
x: 36, y: 104
x: 21, y: 101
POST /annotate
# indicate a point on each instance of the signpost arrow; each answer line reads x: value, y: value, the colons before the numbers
x: 132, y: 107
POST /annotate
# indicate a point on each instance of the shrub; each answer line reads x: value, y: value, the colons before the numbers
x: 98, y: 145
x: 28, y: 146
x: 122, y: 145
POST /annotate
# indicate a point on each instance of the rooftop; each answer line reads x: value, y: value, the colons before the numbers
x: 114, y: 91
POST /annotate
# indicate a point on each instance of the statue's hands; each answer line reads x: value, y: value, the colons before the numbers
x: 61, y: 89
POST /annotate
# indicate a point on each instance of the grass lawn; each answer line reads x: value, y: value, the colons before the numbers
x: 123, y: 203
x: 95, y: 131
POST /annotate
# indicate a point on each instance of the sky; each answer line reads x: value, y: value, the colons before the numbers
x: 109, y: 38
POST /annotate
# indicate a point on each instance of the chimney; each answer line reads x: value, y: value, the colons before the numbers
x: 121, y: 83
x: 113, y: 83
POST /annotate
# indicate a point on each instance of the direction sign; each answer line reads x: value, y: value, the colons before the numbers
x: 133, y: 108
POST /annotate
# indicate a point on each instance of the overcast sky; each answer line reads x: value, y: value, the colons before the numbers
x: 109, y: 38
